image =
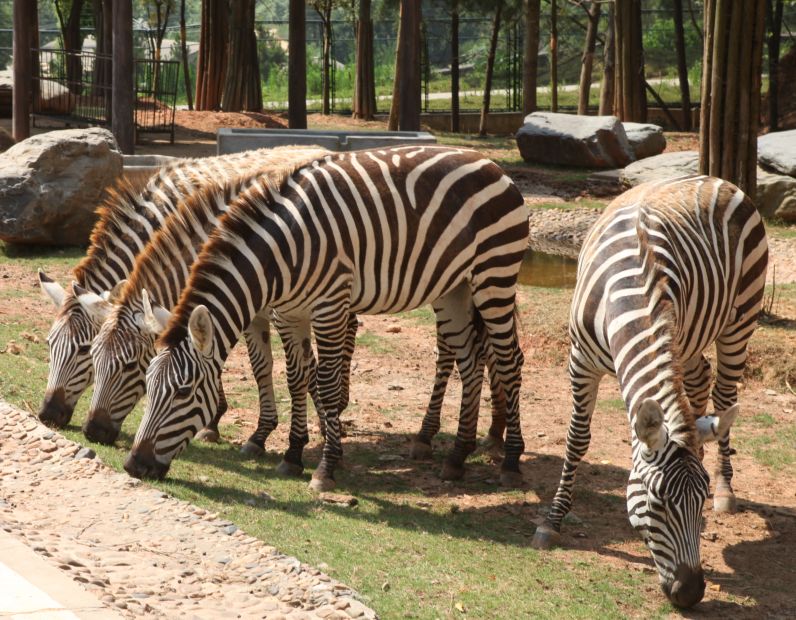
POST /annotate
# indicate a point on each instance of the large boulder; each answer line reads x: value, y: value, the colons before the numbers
x: 776, y: 196
x: 659, y: 167
x: 777, y: 151
x: 51, y: 184
x: 570, y: 140
x: 646, y: 139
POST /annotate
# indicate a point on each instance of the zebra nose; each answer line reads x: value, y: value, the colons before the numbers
x: 688, y: 587
x: 54, y: 410
x: 141, y: 463
x: 99, y: 427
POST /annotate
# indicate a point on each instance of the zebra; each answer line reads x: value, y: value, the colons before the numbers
x: 126, y: 222
x: 376, y: 231
x: 668, y: 269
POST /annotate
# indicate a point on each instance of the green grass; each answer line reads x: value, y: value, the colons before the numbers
x: 566, y: 206
x: 771, y: 442
x: 35, y: 256
x: 375, y: 343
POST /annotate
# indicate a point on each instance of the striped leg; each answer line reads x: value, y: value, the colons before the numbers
x: 494, y: 443
x: 258, y: 343
x: 697, y: 376
x: 585, y: 382
x: 211, y: 433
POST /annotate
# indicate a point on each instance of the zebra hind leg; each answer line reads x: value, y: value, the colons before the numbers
x: 258, y: 344
x: 494, y: 443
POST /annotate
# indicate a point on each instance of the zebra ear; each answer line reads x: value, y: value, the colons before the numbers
x: 52, y: 289
x: 200, y: 329
x: 95, y: 306
x: 712, y: 427
x: 649, y: 425
x: 156, y: 317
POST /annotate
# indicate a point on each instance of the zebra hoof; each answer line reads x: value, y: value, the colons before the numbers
x: 511, y: 479
x: 319, y: 485
x: 208, y: 435
x: 451, y: 471
x: 289, y: 469
x: 420, y: 451
x: 545, y: 537
x: 725, y: 503
x: 252, y: 450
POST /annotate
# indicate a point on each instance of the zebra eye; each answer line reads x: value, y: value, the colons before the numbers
x: 83, y: 349
x: 130, y: 365
x: 183, y: 392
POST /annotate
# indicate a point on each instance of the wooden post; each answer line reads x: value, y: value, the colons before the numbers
x: 682, y: 65
x: 553, y: 56
x: 297, y: 66
x: 25, y: 22
x: 123, y: 88
x: 530, y: 56
x: 455, y: 66
x: 409, y: 59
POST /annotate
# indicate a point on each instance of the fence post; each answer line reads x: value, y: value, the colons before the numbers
x: 123, y: 115
x: 25, y: 21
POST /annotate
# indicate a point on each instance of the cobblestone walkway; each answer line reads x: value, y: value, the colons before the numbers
x: 142, y: 551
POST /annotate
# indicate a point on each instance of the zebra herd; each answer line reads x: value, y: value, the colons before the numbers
x: 213, y: 249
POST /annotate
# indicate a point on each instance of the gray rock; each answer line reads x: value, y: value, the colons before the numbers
x: 659, y: 167
x: 777, y: 151
x: 570, y: 140
x: 776, y: 196
x: 646, y: 139
x: 85, y: 453
x: 51, y: 185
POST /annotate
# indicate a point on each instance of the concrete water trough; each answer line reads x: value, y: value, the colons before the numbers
x: 231, y: 140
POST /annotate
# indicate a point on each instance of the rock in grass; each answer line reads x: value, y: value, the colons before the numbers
x: 338, y: 499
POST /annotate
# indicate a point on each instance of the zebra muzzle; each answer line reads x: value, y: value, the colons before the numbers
x: 99, y: 427
x: 141, y: 463
x: 54, y: 410
x: 688, y: 587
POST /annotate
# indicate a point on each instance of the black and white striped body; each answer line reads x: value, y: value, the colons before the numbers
x: 669, y: 269
x: 127, y: 223
x: 367, y: 232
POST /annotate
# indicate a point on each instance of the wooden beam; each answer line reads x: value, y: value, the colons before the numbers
x: 25, y: 24
x: 123, y: 88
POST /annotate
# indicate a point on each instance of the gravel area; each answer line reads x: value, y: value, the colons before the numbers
x: 142, y: 551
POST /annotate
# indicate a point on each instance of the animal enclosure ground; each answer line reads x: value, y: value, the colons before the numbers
x: 418, y: 547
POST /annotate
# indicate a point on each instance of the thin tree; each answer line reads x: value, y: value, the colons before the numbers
x: 490, y: 68
x: 324, y: 10
x: 409, y: 59
x: 103, y: 32
x: 186, y: 69
x: 607, y: 85
x: 774, y: 18
x: 365, y: 83
x: 682, y: 64
x: 212, y: 63
x: 587, y: 59
x: 553, y: 56
x: 530, y: 57
x: 68, y: 13
x: 630, y: 97
x: 157, y: 11
x: 297, y: 66
x: 455, y: 66
x: 242, y: 90
x: 395, y: 102
x: 730, y: 101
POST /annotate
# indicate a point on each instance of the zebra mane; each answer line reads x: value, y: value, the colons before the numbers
x: 681, y: 431
x: 247, y: 205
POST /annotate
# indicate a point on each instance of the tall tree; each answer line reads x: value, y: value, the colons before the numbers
x: 530, y: 57
x: 395, y: 103
x: 26, y: 20
x: 587, y: 59
x: 186, y: 69
x: 607, y: 85
x: 123, y: 89
x: 324, y: 10
x: 490, y: 67
x: 242, y: 90
x: 68, y: 13
x: 630, y: 97
x: 297, y: 66
x: 682, y: 64
x: 730, y: 106
x: 553, y: 56
x: 365, y: 83
x: 103, y: 32
x: 212, y: 63
x: 774, y: 17
x: 455, y: 66
x: 409, y: 60
x: 157, y: 13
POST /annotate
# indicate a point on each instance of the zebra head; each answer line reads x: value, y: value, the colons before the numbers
x: 665, y: 494
x: 182, y: 395
x: 79, y: 316
x: 121, y: 353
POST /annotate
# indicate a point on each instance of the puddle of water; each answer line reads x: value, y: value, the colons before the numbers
x: 548, y: 270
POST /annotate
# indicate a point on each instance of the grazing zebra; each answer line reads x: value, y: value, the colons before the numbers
x: 667, y: 270
x: 366, y: 232
x: 126, y: 223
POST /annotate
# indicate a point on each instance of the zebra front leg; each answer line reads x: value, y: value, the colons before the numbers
x: 258, y: 343
x: 697, y: 377
x: 584, y: 396
x: 210, y: 433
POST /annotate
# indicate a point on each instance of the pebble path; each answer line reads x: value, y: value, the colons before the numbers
x: 142, y: 551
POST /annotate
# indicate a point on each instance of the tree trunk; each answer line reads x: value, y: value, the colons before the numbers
x: 607, y: 86
x: 26, y: 22
x: 682, y: 65
x: 297, y: 66
x: 123, y: 91
x: 324, y: 10
x: 409, y: 60
x: 588, y: 58
x: 242, y: 90
x: 455, y: 66
x: 73, y: 44
x: 530, y: 57
x: 553, y: 56
x: 734, y: 34
x: 365, y: 84
x: 630, y: 96
x: 774, y: 13
x: 490, y: 67
x: 212, y: 63
x: 186, y: 69
x: 103, y: 32
x: 395, y: 102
